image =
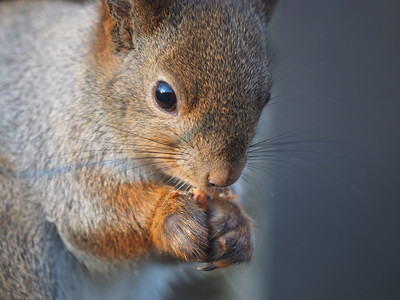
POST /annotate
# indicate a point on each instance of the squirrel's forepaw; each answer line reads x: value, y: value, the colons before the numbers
x: 180, y: 228
x: 230, y: 235
x: 196, y: 227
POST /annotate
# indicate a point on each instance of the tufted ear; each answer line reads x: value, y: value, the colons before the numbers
x: 133, y: 17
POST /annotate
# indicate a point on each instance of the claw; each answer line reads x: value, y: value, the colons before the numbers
x: 213, y: 266
x: 200, y: 199
x: 207, y: 267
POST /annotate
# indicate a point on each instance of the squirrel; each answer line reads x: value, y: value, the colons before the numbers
x: 121, y: 123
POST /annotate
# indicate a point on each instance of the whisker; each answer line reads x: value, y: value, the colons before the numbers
x: 267, y: 143
x: 298, y: 153
x: 110, y: 151
x: 289, y: 164
x: 172, y: 178
x: 142, y: 137
x: 66, y: 169
x: 183, y: 183
x: 124, y: 144
x: 56, y: 171
x: 93, y: 141
x: 261, y: 173
x: 143, y: 165
x: 286, y: 134
x: 157, y: 170
x: 275, y: 80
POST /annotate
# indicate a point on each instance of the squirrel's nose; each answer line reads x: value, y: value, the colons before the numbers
x: 221, y: 177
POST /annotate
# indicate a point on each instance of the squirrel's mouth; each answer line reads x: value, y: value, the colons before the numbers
x: 187, y: 186
x: 212, y: 174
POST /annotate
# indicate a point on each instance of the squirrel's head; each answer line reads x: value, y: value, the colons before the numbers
x: 184, y: 82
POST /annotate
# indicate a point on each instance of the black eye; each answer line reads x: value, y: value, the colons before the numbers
x: 165, y: 97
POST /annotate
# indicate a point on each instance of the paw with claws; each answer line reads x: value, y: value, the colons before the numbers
x: 230, y: 233
x: 196, y: 226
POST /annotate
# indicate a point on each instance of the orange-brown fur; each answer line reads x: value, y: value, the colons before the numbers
x: 96, y: 162
x: 146, y: 217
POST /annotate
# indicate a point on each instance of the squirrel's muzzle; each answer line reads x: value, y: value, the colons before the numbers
x: 222, y: 176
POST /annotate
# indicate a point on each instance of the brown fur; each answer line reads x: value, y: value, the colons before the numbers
x: 87, y: 97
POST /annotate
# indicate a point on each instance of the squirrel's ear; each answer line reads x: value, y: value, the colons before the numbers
x: 269, y: 7
x: 123, y: 19
x: 130, y: 17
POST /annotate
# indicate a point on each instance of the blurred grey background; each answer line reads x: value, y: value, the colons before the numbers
x: 335, y: 220
x: 325, y: 191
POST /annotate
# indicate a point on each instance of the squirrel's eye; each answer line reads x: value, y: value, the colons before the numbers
x: 165, y: 97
